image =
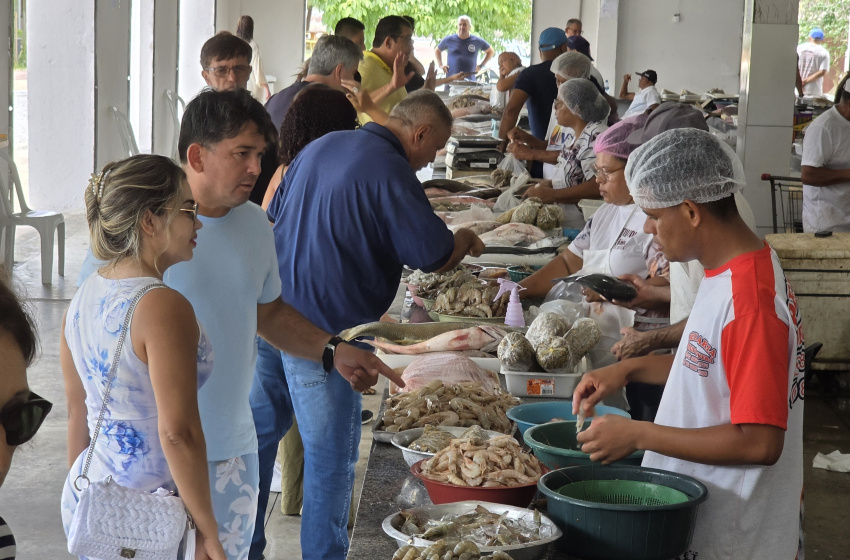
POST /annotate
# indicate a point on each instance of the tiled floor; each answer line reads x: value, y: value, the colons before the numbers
x: 29, y: 500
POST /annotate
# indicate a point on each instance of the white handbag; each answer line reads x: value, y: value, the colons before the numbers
x: 113, y: 522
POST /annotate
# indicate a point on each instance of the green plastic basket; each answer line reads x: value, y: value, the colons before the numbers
x: 630, y: 492
x: 519, y: 275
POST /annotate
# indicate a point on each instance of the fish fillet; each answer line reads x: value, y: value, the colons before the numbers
x: 402, y: 332
x: 483, y: 338
x: 512, y: 234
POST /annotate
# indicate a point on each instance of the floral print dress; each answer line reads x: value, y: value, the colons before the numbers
x: 128, y: 446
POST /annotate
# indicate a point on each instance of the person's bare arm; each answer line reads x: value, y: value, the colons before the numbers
x: 449, y: 79
x: 822, y: 177
x: 517, y: 134
x: 75, y: 395
x: 597, y: 384
x: 798, y: 79
x: 268, y: 92
x: 399, y: 80
x: 640, y: 343
x: 363, y: 103
x: 274, y: 183
x: 511, y: 114
x: 549, y: 195
x: 466, y: 243
x: 624, y: 88
x: 506, y: 83
x: 611, y: 438
x: 527, y: 153
x: 538, y: 284
x: 165, y: 329
x: 814, y: 77
x: 438, y: 55
x: 286, y: 329
x: 488, y: 54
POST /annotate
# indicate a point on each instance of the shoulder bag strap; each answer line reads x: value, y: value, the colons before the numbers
x: 111, y: 376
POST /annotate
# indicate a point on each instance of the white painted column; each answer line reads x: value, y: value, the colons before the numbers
x: 141, y: 71
x: 6, y: 34
x: 605, y: 46
x: 551, y: 13
x: 112, y: 72
x: 165, y: 59
x: 197, y: 19
x: 766, y: 108
x: 60, y: 59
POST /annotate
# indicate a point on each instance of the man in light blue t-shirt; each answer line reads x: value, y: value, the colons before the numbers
x: 234, y: 286
x: 463, y: 49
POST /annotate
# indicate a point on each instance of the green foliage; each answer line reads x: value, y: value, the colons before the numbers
x: 832, y: 17
x: 495, y: 21
x: 20, y: 62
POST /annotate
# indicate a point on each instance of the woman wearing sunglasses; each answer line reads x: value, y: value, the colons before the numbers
x: 21, y: 410
x: 142, y: 220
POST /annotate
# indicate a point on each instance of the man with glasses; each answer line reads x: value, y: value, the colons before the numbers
x: 226, y: 62
x: 573, y: 27
x: 462, y: 49
x: 382, y: 69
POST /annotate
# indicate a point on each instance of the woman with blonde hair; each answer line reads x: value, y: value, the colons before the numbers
x: 144, y: 414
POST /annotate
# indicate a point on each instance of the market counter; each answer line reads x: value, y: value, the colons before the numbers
x: 389, y: 487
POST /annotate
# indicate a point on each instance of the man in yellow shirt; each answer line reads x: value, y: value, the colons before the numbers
x: 382, y: 68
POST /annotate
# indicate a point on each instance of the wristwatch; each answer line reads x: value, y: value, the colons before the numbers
x: 329, y: 353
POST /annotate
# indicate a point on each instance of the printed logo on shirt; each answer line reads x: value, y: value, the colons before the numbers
x: 471, y: 48
x: 625, y: 235
x: 700, y: 354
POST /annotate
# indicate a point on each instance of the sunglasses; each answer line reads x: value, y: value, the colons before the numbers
x: 22, y: 419
x: 193, y: 211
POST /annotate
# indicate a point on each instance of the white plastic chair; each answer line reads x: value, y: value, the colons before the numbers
x: 177, y: 106
x: 44, y: 221
x: 125, y: 130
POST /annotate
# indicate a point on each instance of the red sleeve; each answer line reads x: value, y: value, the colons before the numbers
x: 755, y: 356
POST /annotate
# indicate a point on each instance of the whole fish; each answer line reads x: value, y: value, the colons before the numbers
x: 483, y: 337
x: 402, y: 332
x: 512, y: 234
x: 477, y: 227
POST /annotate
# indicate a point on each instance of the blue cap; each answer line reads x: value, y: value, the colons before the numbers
x: 551, y: 37
x: 816, y: 33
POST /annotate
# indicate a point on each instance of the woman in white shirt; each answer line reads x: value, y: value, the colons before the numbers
x: 582, y: 108
x: 257, y: 84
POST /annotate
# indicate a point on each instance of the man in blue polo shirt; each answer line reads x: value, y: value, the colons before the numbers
x: 349, y: 213
x: 536, y: 88
x: 463, y: 49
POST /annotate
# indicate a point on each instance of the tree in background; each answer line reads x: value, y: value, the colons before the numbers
x: 496, y: 21
x: 832, y: 17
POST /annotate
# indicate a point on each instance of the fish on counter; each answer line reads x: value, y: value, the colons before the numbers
x: 460, y: 200
x: 402, y: 333
x: 451, y: 368
x: 510, y: 235
x: 485, y: 338
x: 447, y: 185
x: 477, y: 227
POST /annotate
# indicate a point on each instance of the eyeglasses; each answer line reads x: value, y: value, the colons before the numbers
x: 603, y: 174
x: 574, y: 30
x: 405, y: 39
x: 193, y: 211
x: 21, y: 420
x: 240, y: 70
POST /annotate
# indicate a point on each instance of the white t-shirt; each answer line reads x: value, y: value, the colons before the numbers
x: 575, y: 166
x: 812, y: 59
x: 620, y: 229
x: 258, y: 74
x: 233, y: 269
x: 741, y: 362
x: 499, y: 99
x: 557, y: 137
x: 645, y: 98
x: 827, y: 144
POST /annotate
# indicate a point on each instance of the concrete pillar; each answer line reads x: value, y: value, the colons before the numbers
x: 6, y: 36
x: 112, y: 77
x: 604, y: 47
x: 766, y: 106
x: 60, y: 61
x: 141, y: 71
x: 165, y: 59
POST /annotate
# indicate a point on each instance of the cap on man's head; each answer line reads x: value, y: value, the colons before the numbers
x: 580, y: 44
x: 650, y: 75
x: 816, y: 33
x: 551, y: 38
x: 667, y: 116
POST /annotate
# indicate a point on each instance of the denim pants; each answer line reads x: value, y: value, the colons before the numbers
x: 329, y: 413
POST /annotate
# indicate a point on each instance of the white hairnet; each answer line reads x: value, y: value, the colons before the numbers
x: 683, y: 164
x: 571, y: 64
x: 583, y: 100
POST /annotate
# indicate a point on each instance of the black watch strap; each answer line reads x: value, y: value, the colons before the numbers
x: 330, y: 351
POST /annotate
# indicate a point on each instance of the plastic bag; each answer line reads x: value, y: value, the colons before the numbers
x: 563, y: 290
x: 507, y: 199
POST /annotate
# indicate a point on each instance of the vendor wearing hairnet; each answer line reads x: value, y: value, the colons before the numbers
x: 580, y: 107
x: 732, y: 411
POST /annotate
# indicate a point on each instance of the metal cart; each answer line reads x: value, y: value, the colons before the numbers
x: 786, y: 197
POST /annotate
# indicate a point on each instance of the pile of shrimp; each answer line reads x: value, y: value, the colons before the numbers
x: 462, y: 404
x: 440, y: 550
x: 496, y: 462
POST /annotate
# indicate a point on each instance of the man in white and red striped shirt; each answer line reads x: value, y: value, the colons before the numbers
x: 732, y: 411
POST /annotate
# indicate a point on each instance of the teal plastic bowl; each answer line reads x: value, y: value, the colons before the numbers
x: 532, y: 414
x: 555, y: 445
x: 622, y: 524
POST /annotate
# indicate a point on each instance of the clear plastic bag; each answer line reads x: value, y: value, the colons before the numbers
x: 507, y: 199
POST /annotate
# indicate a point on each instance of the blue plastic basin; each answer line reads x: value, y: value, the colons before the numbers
x: 532, y: 414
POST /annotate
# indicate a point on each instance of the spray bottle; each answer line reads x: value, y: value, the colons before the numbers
x: 514, y: 316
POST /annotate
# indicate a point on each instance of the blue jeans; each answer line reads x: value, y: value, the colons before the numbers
x: 329, y: 420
